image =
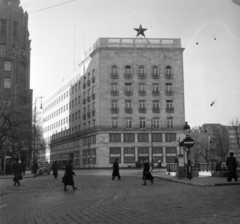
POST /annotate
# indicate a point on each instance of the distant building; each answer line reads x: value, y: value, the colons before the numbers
x: 15, y: 56
x: 234, y: 147
x: 125, y: 101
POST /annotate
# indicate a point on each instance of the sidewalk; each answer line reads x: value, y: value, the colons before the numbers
x: 197, y: 181
x: 28, y: 174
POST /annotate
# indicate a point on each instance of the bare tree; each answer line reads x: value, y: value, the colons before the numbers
x: 236, y: 127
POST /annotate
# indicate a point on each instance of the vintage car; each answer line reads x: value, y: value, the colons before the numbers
x: 44, y: 167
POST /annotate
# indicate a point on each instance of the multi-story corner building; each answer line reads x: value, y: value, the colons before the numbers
x: 233, y: 144
x: 125, y: 101
x: 15, y: 53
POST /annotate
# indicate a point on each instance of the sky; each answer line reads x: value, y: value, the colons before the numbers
x: 209, y: 32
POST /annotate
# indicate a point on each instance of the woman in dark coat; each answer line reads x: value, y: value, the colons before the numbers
x: 55, y: 169
x: 146, y: 173
x: 116, y: 170
x: 17, y: 171
x: 68, y: 176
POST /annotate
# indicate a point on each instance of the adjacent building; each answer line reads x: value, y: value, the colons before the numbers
x: 15, y: 56
x: 125, y: 101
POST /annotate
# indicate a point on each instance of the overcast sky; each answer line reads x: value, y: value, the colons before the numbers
x: 209, y: 31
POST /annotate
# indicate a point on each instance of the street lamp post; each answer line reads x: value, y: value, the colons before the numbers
x: 34, y: 126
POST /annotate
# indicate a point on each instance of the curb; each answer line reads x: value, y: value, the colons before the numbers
x: 199, y: 185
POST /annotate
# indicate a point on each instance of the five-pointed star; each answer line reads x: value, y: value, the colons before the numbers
x: 140, y: 31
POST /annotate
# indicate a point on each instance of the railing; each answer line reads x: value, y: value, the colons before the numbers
x: 93, y: 112
x: 142, y: 110
x: 128, y: 110
x: 93, y: 96
x: 128, y: 75
x: 155, y: 76
x: 84, y: 85
x: 114, y: 92
x: 93, y: 79
x: 114, y: 75
x: 114, y: 110
x: 128, y: 92
x: 88, y: 82
x: 88, y: 114
x: 142, y: 92
x: 84, y: 101
x: 88, y: 98
x: 168, y: 76
x: 169, y: 92
x: 155, y: 110
x: 141, y: 75
x: 84, y: 116
x: 172, y: 167
x: 169, y: 110
x: 155, y: 92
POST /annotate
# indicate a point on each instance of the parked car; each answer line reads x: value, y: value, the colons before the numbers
x: 44, y: 167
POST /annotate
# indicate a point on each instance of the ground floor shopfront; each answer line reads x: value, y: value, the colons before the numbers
x: 99, y: 150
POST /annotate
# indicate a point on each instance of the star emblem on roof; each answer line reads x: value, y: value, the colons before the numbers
x: 140, y: 31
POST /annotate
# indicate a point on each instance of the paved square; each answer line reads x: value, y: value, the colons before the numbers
x: 98, y: 199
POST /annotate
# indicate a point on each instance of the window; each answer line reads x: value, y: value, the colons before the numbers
x: 143, y: 153
x: 155, y: 123
x: 157, y: 153
x: 156, y: 137
x: 155, y: 88
x: 114, y: 137
x: 114, y: 69
x: 170, y: 137
x: 155, y: 70
x: 155, y: 105
x: 128, y: 104
x: 115, y: 153
x: 114, y: 104
x: 141, y: 69
x: 142, y: 123
x: 171, y: 154
x: 7, y: 83
x: 79, y: 85
x: 168, y: 70
x: 143, y: 137
x: 114, y: 122
x: 142, y: 104
x: 7, y: 66
x: 93, y: 73
x: 75, y: 101
x: 130, y: 137
x: 2, y: 49
x: 128, y: 87
x: 79, y: 100
x: 93, y: 89
x: 129, y: 155
x: 3, y: 26
x: 128, y: 123
x: 142, y: 87
x: 75, y: 87
x: 114, y: 87
x: 128, y: 69
x: 14, y: 28
x: 170, y: 122
x: 169, y: 87
x: 169, y: 105
x: 88, y: 93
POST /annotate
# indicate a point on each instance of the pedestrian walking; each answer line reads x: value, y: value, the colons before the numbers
x: 146, y: 173
x: 232, y: 167
x: 68, y: 176
x: 159, y: 163
x: 116, y: 170
x: 35, y: 169
x: 55, y: 169
x: 23, y: 168
x: 17, y: 171
x: 152, y: 165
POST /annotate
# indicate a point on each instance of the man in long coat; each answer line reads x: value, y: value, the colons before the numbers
x: 232, y: 167
x: 55, y: 169
x: 116, y: 170
x: 35, y: 169
x: 17, y: 171
x: 68, y: 176
x: 146, y: 172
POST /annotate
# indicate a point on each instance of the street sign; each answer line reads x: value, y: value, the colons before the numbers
x: 188, y: 142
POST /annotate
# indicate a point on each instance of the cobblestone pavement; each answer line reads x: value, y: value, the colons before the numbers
x: 98, y: 199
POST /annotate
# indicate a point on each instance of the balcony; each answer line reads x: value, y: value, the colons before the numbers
x: 128, y: 110
x: 84, y: 85
x: 169, y: 110
x: 88, y: 98
x: 84, y: 116
x: 128, y: 75
x: 88, y: 114
x: 114, y: 92
x: 155, y: 92
x: 93, y: 112
x: 84, y: 101
x: 142, y: 92
x: 93, y: 79
x: 93, y: 96
x: 142, y: 110
x: 155, y: 75
x: 168, y: 75
x: 156, y: 110
x: 128, y: 92
x: 114, y: 75
x: 169, y: 92
x: 114, y: 110
x: 141, y: 75
x: 88, y: 82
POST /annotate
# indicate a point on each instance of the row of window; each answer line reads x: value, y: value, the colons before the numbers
x: 142, y: 137
x: 74, y: 88
x: 4, y: 27
x: 141, y: 70
x: 129, y: 155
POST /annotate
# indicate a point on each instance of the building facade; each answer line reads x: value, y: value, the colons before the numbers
x: 233, y: 142
x: 125, y: 101
x: 15, y: 55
